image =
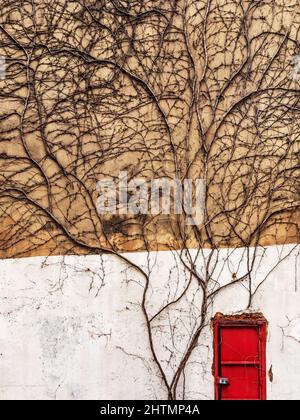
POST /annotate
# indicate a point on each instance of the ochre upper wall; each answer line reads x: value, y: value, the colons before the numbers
x: 160, y: 89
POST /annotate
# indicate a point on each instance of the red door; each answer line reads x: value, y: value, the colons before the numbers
x: 240, y: 360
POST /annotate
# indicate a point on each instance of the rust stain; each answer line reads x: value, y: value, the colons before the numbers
x: 270, y: 374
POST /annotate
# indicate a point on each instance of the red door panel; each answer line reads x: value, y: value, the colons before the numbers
x: 240, y: 360
x: 243, y: 383
x: 240, y: 343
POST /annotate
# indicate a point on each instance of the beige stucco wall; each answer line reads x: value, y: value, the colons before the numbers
x: 204, y: 90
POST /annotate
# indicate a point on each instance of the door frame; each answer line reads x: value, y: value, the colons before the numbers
x: 262, y: 326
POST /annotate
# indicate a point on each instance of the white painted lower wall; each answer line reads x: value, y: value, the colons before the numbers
x: 73, y: 328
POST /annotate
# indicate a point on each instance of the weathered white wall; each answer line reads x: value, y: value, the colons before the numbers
x: 72, y: 328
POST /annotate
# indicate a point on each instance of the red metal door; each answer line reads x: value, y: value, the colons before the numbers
x: 240, y: 360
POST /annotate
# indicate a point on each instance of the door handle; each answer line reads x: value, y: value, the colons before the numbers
x: 223, y: 381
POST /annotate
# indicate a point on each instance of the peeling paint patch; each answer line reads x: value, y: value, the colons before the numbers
x: 245, y: 316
